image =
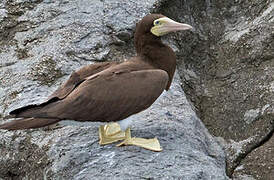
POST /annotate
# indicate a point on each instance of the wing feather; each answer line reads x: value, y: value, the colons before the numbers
x: 107, y: 97
x: 79, y: 76
x: 74, y: 80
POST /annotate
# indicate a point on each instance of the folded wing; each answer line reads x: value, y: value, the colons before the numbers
x: 106, y: 96
x: 74, y: 80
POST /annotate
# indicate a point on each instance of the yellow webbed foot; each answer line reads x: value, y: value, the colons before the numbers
x: 150, y: 144
x: 110, y: 133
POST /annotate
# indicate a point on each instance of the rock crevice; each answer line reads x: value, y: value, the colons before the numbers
x: 226, y: 66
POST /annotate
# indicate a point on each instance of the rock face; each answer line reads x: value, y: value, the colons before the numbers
x: 73, y: 152
x: 41, y: 43
x: 228, y: 75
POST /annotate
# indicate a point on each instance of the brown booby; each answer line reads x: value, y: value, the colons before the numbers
x: 112, y: 91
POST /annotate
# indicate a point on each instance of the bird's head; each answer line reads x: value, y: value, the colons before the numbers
x: 159, y: 25
x: 148, y: 43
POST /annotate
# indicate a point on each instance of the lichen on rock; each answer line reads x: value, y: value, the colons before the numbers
x: 45, y: 71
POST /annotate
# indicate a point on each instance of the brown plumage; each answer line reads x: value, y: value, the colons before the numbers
x: 108, y: 91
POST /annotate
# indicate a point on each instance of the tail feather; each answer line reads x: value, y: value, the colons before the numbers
x: 28, y: 123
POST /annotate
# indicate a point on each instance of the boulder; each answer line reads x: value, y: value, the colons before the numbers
x: 227, y: 74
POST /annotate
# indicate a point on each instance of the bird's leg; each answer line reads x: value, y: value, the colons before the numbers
x: 110, y: 133
x: 150, y: 144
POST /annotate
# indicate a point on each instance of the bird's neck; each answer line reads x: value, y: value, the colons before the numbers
x: 159, y: 55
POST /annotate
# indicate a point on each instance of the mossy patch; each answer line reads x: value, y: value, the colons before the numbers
x: 30, y: 161
x: 14, y: 94
x: 10, y: 25
x: 45, y: 72
x: 22, y: 53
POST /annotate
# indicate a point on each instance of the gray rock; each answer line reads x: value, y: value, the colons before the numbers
x: 73, y: 152
x: 263, y: 168
x: 226, y: 66
x: 41, y: 43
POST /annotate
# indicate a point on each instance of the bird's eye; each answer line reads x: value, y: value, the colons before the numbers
x: 157, y: 22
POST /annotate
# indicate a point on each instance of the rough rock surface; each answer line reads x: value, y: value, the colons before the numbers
x: 259, y: 163
x: 73, y: 152
x: 41, y: 43
x: 228, y: 75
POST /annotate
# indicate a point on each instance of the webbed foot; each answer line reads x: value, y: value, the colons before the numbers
x: 150, y: 144
x: 110, y: 133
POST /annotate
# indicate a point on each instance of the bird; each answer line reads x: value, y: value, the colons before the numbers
x: 112, y: 92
